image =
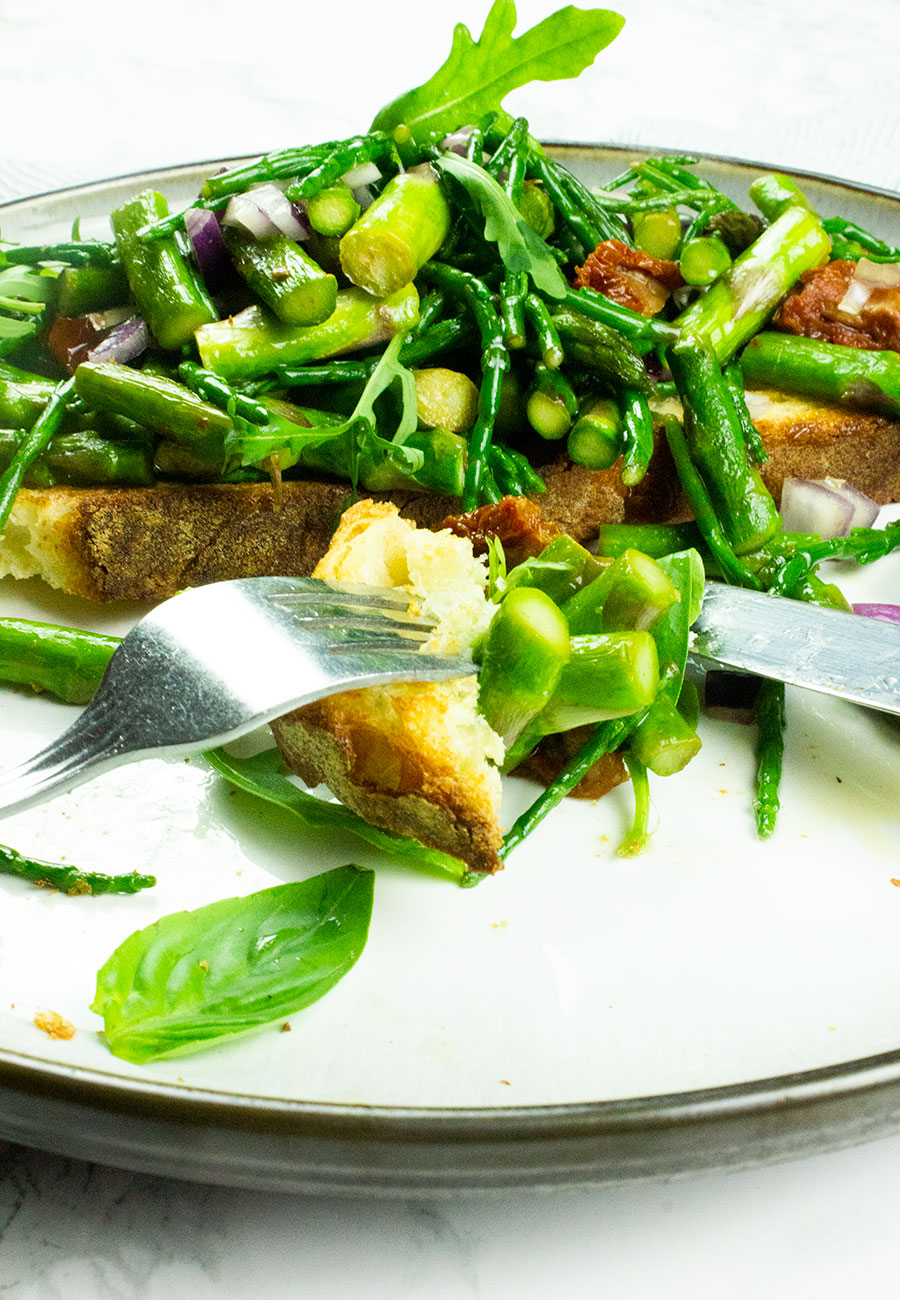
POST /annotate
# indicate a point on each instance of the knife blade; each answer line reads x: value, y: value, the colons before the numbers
x: 826, y: 650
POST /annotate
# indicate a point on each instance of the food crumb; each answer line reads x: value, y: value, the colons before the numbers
x: 895, y: 881
x: 54, y: 1025
x: 286, y: 1027
x: 506, y: 1083
x: 832, y: 1028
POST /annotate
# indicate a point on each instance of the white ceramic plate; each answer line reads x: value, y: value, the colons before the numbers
x: 580, y: 1016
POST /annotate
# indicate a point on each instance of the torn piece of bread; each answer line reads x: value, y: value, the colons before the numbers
x: 414, y: 757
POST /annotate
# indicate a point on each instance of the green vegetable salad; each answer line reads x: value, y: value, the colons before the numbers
x: 402, y: 310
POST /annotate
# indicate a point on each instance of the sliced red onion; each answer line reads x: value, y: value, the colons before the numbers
x: 265, y: 211
x: 123, y: 343
x: 364, y: 174
x: 207, y: 244
x: 887, y: 613
x: 829, y: 507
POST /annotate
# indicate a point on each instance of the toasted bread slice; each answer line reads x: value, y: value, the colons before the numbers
x: 147, y: 543
x: 415, y: 757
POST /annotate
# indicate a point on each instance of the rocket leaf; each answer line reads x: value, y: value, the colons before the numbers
x: 521, y: 249
x: 478, y: 74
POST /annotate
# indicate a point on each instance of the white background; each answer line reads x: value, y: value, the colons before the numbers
x: 99, y: 89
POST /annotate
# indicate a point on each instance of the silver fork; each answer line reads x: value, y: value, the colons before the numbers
x: 215, y: 662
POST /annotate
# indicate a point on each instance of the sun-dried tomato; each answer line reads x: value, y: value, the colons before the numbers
x: 814, y: 311
x: 628, y: 276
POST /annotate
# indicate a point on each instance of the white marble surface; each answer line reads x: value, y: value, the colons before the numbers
x: 97, y: 89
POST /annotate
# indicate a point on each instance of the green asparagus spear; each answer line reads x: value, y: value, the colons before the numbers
x: 665, y: 741
x: 22, y: 397
x: 600, y: 348
x: 31, y: 446
x: 852, y: 376
x: 629, y: 595
x: 608, y: 675
x: 91, y: 288
x: 82, y: 459
x: 658, y: 233
x: 394, y: 238
x: 445, y: 399
x: 524, y: 652
x: 743, y: 504
x: 562, y: 569
x: 161, y: 404
x: 595, y: 440
x: 66, y: 662
x: 253, y: 343
x: 165, y: 288
x: 774, y: 194
x: 283, y: 276
x: 739, y: 303
x: 332, y: 211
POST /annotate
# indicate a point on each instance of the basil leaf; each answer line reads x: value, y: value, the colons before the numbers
x: 263, y: 776
x: 193, y: 978
x: 520, y: 248
x: 478, y: 74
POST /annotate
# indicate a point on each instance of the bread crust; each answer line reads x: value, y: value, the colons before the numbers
x: 143, y: 544
x: 390, y: 783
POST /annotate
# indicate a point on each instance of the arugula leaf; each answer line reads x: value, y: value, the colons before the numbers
x: 193, y: 978
x: 478, y: 74
x: 263, y: 776
x: 521, y: 249
x: 294, y: 443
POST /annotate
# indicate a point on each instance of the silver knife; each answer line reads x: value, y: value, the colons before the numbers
x: 849, y: 655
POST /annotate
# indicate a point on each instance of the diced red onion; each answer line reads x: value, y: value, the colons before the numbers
x: 207, y: 244
x: 364, y: 174
x: 364, y: 197
x: 887, y: 613
x: 123, y: 343
x: 106, y: 320
x: 866, y: 279
x: 265, y: 211
x: 458, y: 142
x: 829, y: 507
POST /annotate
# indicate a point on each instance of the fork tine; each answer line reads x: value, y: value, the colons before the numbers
x: 387, y: 627
x: 349, y: 593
